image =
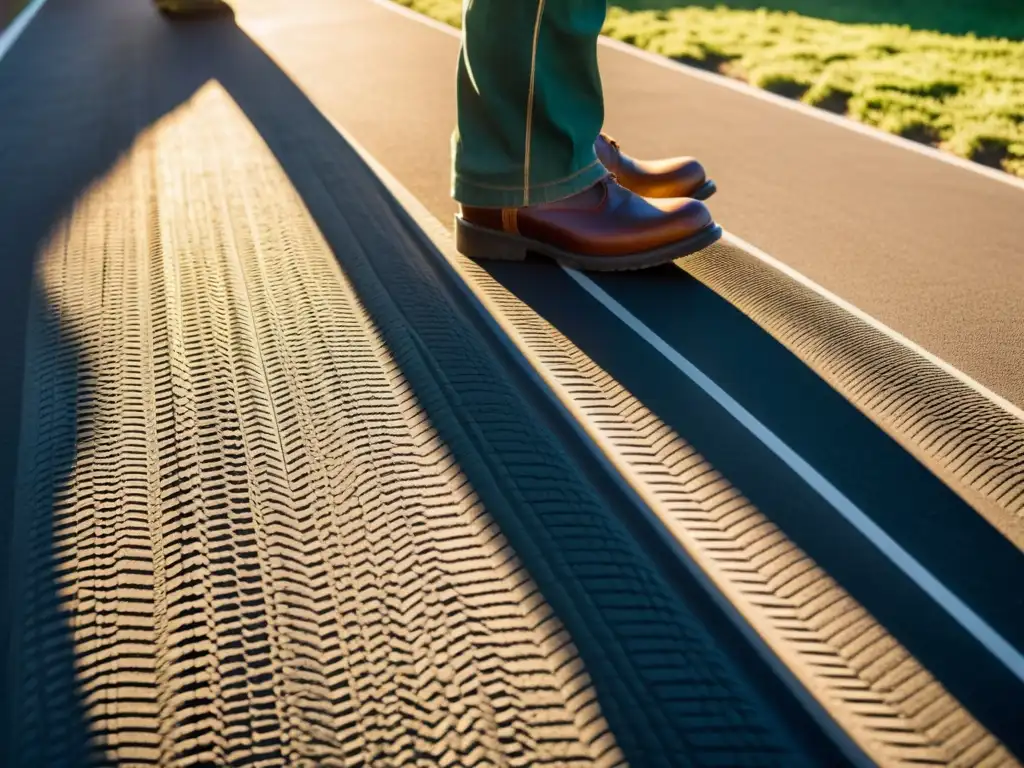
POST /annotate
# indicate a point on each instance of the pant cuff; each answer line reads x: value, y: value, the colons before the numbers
x: 469, y: 192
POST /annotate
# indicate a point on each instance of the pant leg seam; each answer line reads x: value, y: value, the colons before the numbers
x: 529, y: 102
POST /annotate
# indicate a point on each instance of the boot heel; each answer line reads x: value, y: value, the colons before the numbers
x: 480, y: 243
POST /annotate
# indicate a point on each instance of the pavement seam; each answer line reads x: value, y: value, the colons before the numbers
x: 14, y: 30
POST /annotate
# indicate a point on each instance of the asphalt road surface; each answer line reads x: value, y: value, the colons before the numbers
x: 930, y: 249
x: 294, y: 484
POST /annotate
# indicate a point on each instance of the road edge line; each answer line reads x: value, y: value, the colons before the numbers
x: 18, y: 25
x: 944, y: 597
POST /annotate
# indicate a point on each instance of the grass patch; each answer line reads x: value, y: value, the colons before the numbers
x: 983, y: 18
x: 448, y: 11
x: 963, y: 94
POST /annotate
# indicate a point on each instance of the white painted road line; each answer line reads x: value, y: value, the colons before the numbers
x: 976, y: 626
x: 1009, y: 656
x: 10, y: 35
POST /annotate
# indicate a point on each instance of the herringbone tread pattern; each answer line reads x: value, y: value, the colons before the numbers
x: 892, y: 706
x: 262, y: 552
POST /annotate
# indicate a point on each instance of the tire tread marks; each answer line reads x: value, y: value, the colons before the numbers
x: 965, y: 438
x: 260, y: 551
x: 879, y: 693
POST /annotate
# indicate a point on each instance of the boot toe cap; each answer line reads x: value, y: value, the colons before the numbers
x: 681, y: 176
x: 689, y: 214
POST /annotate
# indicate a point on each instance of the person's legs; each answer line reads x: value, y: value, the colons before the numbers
x: 526, y: 172
x: 529, y: 101
x: 530, y: 70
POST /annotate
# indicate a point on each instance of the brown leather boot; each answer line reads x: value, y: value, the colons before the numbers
x: 673, y: 177
x: 603, y: 228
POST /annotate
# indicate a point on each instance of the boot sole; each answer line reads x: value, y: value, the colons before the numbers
x: 705, y: 190
x: 197, y: 13
x: 483, y: 244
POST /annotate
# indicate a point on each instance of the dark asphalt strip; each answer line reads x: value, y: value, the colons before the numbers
x: 772, y: 486
x: 870, y: 468
x: 773, y: 380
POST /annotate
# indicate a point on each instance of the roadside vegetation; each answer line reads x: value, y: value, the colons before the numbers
x: 949, y: 74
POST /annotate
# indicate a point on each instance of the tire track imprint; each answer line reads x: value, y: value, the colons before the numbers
x: 265, y: 552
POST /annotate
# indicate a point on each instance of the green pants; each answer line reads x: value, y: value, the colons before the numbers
x: 530, y: 103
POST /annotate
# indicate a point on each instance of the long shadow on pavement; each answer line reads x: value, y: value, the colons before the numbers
x: 868, y: 466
